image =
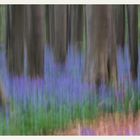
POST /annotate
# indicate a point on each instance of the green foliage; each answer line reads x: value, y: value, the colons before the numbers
x: 40, y: 121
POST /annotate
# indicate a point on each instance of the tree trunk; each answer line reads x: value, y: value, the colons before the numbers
x: 77, y: 25
x: 101, y: 66
x: 3, y: 99
x: 51, y: 25
x: 36, y: 42
x: 68, y: 24
x: 120, y: 25
x: 60, y: 33
x: 47, y: 23
x: 15, y: 39
x: 133, y: 39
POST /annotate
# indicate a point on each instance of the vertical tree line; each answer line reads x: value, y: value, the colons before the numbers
x: 77, y: 25
x: 25, y: 27
x: 36, y: 41
x: 15, y: 39
x: 120, y: 25
x: 65, y: 25
x: 101, y: 64
x: 60, y: 33
x: 132, y: 11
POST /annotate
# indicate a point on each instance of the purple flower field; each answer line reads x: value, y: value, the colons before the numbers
x: 61, y: 84
x: 64, y: 86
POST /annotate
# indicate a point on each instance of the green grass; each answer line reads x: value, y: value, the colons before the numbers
x: 38, y: 121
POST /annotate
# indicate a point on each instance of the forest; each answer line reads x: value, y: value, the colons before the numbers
x: 69, y: 70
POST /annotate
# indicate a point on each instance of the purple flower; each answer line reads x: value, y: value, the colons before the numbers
x: 87, y: 131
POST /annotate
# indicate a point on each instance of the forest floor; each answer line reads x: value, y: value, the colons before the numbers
x: 107, y: 125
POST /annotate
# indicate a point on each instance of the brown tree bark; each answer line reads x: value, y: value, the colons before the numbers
x: 68, y: 24
x: 36, y: 41
x: 101, y: 66
x: 120, y: 25
x: 60, y: 33
x: 51, y: 25
x: 133, y: 39
x: 47, y: 23
x: 15, y: 39
x: 77, y: 25
x: 3, y: 98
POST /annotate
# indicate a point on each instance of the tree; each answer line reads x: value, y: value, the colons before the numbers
x: 3, y: 99
x: 15, y: 39
x: 36, y: 41
x: 60, y: 33
x: 133, y: 39
x: 47, y: 23
x: 77, y: 25
x: 51, y: 25
x: 120, y: 25
x: 101, y: 65
x: 68, y: 25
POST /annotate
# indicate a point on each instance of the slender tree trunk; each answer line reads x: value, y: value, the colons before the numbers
x: 101, y: 66
x: 3, y: 98
x: 77, y: 25
x: 8, y: 27
x: 120, y: 25
x: 73, y: 23
x: 51, y: 25
x: 80, y: 25
x: 112, y: 54
x: 60, y: 33
x: 133, y: 39
x: 68, y: 24
x: 15, y: 39
x: 47, y: 23
x: 36, y: 41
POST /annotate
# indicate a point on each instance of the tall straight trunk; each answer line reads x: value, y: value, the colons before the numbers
x: 51, y: 25
x: 36, y: 42
x: 8, y: 27
x: 133, y: 39
x: 60, y: 33
x: 15, y: 39
x: 77, y: 25
x: 101, y: 66
x: 47, y: 23
x: 68, y: 24
x: 112, y: 54
x: 80, y: 25
x: 3, y: 98
x: 120, y: 25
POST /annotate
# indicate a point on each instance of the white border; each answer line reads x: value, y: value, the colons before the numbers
x: 69, y: 1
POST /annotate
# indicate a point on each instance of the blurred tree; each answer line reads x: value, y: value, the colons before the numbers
x: 15, y: 39
x: 51, y: 25
x: 36, y: 41
x: 60, y: 33
x: 101, y: 65
x: 68, y: 24
x: 3, y: 99
x: 2, y: 23
x: 133, y: 39
x: 47, y: 23
x: 77, y: 25
x: 120, y: 25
